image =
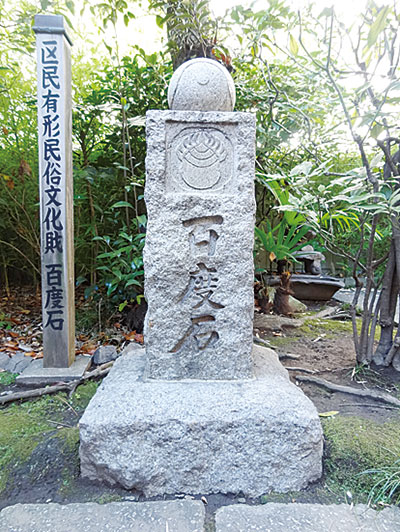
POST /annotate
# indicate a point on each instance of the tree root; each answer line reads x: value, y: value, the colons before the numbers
x: 288, y: 355
x: 261, y: 341
x: 304, y: 370
x: 371, y: 394
x: 101, y: 371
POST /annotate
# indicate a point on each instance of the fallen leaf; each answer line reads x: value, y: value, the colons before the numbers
x: 25, y: 311
x: 329, y: 414
x: 38, y: 355
x: 13, y: 334
x: 11, y: 345
x: 30, y: 354
x: 139, y: 338
x: 130, y: 336
x: 88, y: 348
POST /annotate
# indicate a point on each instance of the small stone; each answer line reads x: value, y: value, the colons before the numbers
x: 4, y: 360
x: 17, y: 363
x: 296, y: 305
x: 104, y: 354
x: 201, y: 85
x: 396, y: 362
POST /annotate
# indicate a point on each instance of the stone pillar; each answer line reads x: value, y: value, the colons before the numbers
x: 56, y: 190
x: 198, y: 257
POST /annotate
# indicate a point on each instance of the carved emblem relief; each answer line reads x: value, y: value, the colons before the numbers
x: 201, y: 159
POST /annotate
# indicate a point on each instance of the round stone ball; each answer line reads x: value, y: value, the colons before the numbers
x: 201, y: 85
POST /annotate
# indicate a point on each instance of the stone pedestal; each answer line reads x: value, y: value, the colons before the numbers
x: 167, y: 437
x: 37, y: 375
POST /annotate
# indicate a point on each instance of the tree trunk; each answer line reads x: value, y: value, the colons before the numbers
x: 389, y: 294
x: 388, y: 350
x: 190, y: 29
x: 281, y: 299
x: 393, y: 356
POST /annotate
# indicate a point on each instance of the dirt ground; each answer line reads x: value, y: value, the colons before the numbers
x: 325, y: 349
x: 318, y: 346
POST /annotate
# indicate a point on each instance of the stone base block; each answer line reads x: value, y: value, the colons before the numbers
x: 36, y: 374
x: 168, y: 437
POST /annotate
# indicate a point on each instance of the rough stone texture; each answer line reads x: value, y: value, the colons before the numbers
x: 36, y: 374
x: 175, y: 516
x: 275, y: 517
x: 17, y: 363
x: 4, y: 360
x: 201, y: 85
x: 295, y: 304
x: 161, y: 437
x: 271, y: 322
x: 104, y: 354
x: 198, y: 257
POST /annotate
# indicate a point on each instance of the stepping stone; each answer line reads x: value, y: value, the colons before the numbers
x: 275, y: 517
x: 164, y: 516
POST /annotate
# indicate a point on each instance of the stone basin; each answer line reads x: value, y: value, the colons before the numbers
x: 315, y: 287
x: 312, y: 287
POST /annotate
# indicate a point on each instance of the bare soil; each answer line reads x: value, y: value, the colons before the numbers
x: 325, y: 348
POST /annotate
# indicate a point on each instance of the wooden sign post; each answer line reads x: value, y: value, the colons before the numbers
x: 56, y: 199
x: 56, y: 190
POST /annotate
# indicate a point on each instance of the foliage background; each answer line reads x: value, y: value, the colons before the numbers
x: 279, y: 59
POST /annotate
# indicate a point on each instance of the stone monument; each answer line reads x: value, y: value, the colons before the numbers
x: 200, y: 409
